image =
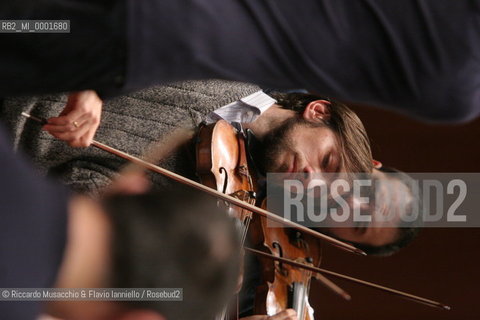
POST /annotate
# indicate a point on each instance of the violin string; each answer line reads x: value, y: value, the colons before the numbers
x: 246, y: 223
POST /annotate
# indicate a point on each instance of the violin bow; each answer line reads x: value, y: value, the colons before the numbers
x: 321, y: 271
x: 215, y: 193
x: 269, y: 215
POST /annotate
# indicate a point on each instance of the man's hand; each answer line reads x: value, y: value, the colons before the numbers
x: 78, y: 122
x: 288, y: 314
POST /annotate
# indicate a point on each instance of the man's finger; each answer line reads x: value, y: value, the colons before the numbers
x: 80, y: 138
x: 67, y: 136
x: 62, y: 124
x: 62, y: 129
x: 68, y: 116
x: 92, y: 120
x: 59, y: 121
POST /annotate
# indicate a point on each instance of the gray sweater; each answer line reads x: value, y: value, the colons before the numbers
x: 129, y: 123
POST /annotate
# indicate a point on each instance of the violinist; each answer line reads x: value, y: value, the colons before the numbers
x: 296, y: 133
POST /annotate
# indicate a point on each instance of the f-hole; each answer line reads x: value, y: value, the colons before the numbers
x: 277, y: 246
x: 225, y: 182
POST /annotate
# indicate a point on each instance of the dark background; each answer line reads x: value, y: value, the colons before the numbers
x: 441, y: 264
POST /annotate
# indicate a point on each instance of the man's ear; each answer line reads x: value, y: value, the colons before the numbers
x: 317, y: 111
x: 141, y: 315
x: 377, y: 164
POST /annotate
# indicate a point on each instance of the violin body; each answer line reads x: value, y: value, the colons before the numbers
x: 284, y: 286
x: 222, y: 164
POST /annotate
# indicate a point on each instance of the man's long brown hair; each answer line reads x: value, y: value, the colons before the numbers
x: 356, y: 155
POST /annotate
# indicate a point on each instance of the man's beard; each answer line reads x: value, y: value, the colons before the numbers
x: 279, y: 141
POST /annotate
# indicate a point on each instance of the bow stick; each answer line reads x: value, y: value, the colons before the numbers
x: 320, y: 271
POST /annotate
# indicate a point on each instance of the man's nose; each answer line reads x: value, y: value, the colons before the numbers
x: 309, y: 169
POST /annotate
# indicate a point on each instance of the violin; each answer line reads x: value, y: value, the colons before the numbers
x: 222, y: 164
